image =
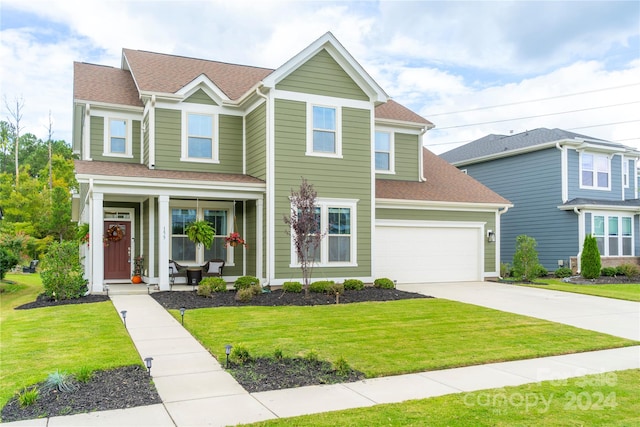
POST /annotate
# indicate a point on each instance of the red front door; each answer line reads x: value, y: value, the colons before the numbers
x: 117, y: 250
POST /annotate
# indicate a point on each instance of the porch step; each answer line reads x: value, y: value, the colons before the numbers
x: 130, y: 289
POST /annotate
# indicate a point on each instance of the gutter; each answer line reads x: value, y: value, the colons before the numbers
x: 580, y: 237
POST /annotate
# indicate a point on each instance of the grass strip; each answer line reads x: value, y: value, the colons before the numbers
x: 623, y: 291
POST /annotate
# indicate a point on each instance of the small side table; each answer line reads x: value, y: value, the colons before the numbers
x: 194, y: 276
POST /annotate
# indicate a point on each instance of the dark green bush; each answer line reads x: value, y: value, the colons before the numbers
x: 541, y: 271
x: 354, y: 284
x: 8, y: 260
x: 204, y: 290
x: 525, y: 259
x: 294, y: 287
x: 209, y: 285
x: 609, y: 271
x: 240, y: 355
x: 505, y: 269
x: 62, y: 272
x: 383, y: 283
x: 590, y: 263
x: 245, y: 282
x: 563, y: 272
x: 321, y: 286
x: 629, y: 270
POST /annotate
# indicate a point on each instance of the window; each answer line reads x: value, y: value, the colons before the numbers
x: 183, y: 249
x: 383, y: 152
x: 594, y: 171
x: 625, y: 172
x: 336, y: 219
x: 117, y: 137
x: 614, y: 234
x: 323, y: 136
x: 199, y: 139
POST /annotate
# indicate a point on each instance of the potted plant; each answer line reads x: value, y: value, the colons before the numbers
x: 201, y: 232
x: 137, y: 270
x: 234, y: 239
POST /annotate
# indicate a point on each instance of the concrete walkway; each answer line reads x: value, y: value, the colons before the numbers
x: 196, y: 391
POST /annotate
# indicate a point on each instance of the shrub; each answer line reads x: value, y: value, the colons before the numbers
x: 245, y: 282
x: 590, y: 263
x: 204, y: 290
x: 525, y: 258
x: 609, y: 271
x: 311, y: 356
x: 8, y: 260
x: 505, y: 269
x: 354, y: 284
x: 341, y: 367
x: 28, y: 396
x: 84, y: 375
x: 61, y: 272
x: 321, y: 286
x: 541, y: 271
x: 215, y: 284
x: 383, y: 283
x: 245, y: 294
x: 60, y: 381
x: 629, y: 270
x: 240, y: 355
x: 295, y: 287
x: 563, y: 272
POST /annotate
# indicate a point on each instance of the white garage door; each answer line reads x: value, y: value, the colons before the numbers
x: 425, y: 252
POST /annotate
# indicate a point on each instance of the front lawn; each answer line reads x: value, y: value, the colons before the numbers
x: 37, y: 342
x: 609, y: 399
x: 624, y: 291
x: 392, y: 337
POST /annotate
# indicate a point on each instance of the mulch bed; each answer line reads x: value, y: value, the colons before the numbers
x: 44, y: 301
x: 118, y: 388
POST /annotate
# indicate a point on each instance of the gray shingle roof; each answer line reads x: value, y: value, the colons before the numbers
x: 494, y: 144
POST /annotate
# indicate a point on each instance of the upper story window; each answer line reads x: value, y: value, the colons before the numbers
x: 594, y: 171
x: 324, y: 131
x: 625, y: 172
x: 199, y: 138
x: 384, y: 151
x: 117, y: 137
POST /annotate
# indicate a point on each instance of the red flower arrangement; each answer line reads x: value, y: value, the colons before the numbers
x: 234, y: 239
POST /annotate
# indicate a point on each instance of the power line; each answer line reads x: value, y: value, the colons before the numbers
x: 534, y: 100
x: 539, y: 115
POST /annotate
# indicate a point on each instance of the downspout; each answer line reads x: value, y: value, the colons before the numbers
x: 269, y: 171
x: 498, y: 236
x: 563, y: 172
x: 421, y: 156
x: 580, y: 237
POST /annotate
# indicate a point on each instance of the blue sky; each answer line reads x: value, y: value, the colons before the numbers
x: 473, y: 68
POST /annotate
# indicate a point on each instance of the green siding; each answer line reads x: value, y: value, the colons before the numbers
x: 169, y: 140
x: 78, y: 116
x: 256, y: 143
x: 236, y: 269
x: 407, y: 164
x: 145, y: 144
x: 251, y: 237
x: 322, y: 75
x: 200, y: 97
x: 97, y: 141
x: 425, y: 215
x: 345, y: 178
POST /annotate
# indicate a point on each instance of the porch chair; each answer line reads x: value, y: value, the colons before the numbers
x: 213, y: 268
x: 176, y: 270
x: 31, y: 268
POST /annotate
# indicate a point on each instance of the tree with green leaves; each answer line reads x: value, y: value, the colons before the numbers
x: 590, y: 262
x: 525, y: 260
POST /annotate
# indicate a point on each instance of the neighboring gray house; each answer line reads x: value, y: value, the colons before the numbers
x: 564, y: 186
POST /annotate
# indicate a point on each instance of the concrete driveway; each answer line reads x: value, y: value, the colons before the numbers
x: 607, y: 315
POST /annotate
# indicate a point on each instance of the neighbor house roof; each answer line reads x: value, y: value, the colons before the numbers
x: 580, y: 201
x: 151, y: 72
x: 138, y: 171
x: 444, y: 183
x: 497, y: 144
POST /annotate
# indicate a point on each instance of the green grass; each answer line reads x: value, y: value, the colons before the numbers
x: 393, y: 337
x: 609, y: 399
x: 626, y: 291
x: 37, y: 342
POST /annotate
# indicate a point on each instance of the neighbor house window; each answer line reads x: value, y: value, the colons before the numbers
x: 614, y: 234
x: 199, y: 143
x: 383, y: 152
x: 184, y: 250
x: 625, y: 172
x: 324, y: 137
x: 336, y: 220
x: 594, y: 171
x: 117, y: 137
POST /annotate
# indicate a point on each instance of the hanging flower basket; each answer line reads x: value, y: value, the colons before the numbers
x: 234, y: 240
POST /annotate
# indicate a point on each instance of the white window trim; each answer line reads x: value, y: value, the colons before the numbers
x: 625, y: 172
x: 215, y: 139
x: 200, y: 208
x: 324, y: 205
x: 392, y: 150
x: 595, y: 172
x: 619, y: 215
x: 128, y: 143
x: 310, y: 152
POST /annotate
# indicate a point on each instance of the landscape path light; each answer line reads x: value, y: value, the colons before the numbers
x: 147, y: 361
x: 182, y: 310
x: 227, y: 350
x: 124, y: 317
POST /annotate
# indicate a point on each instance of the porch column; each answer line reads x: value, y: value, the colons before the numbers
x: 96, y: 227
x: 163, y: 244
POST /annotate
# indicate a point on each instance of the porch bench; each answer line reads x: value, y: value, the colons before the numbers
x: 176, y: 270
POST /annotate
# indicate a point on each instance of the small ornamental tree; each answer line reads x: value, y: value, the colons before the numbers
x: 304, y: 228
x: 62, y: 273
x: 525, y: 259
x: 590, y: 263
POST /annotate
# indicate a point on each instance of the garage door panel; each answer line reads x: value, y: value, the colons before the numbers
x: 428, y: 254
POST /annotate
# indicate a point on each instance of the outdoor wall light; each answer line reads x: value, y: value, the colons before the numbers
x: 124, y: 317
x: 491, y: 236
x: 147, y: 361
x: 182, y: 310
x: 227, y: 351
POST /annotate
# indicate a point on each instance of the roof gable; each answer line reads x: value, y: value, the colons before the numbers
x: 98, y: 83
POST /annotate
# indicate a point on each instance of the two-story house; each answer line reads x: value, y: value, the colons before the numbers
x: 165, y: 140
x: 564, y: 186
